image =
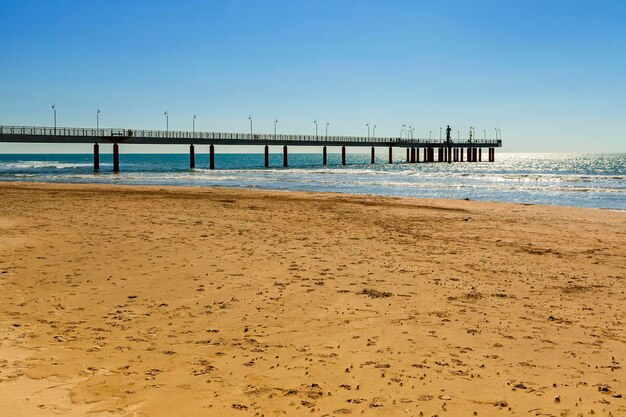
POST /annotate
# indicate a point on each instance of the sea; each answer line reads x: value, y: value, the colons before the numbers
x: 564, y: 179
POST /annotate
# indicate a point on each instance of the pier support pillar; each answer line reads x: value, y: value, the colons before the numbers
x: 449, y: 154
x: 480, y: 154
x: 408, y: 155
x: 96, y: 157
x: 116, y: 158
x: 267, y: 156
x: 324, y: 156
x: 343, y: 155
x: 285, y: 156
x: 211, y: 157
x: 469, y: 154
x: 192, y: 157
x: 391, y: 155
x: 373, y: 156
x: 412, y: 155
x: 474, y: 154
x: 461, y: 152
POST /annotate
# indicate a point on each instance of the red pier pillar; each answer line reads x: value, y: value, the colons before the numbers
x: 192, y: 157
x: 211, y: 157
x: 343, y: 155
x: 267, y: 156
x: 116, y: 158
x: 96, y: 157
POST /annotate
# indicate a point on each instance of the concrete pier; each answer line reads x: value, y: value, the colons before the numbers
x: 447, y: 151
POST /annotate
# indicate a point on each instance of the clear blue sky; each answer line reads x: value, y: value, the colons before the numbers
x: 550, y: 74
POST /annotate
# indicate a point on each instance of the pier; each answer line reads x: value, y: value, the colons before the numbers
x: 417, y: 150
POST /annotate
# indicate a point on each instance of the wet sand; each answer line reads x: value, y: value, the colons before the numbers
x: 156, y: 301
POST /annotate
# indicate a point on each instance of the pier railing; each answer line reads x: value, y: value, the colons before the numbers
x: 262, y: 138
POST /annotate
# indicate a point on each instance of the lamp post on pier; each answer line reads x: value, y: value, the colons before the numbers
x: 327, y: 130
x: 368, y: 130
x: 98, y: 120
x: 250, y: 118
x: 167, y: 121
x: 194, y: 124
x: 430, y: 135
x: 315, y: 121
x: 374, y: 132
x: 485, y: 134
x: 440, y: 130
x: 402, y: 131
x: 54, y: 110
x: 275, y: 122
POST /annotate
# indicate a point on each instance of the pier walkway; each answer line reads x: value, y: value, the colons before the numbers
x: 460, y: 150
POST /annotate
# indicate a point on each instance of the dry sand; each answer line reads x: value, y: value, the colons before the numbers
x: 139, y: 301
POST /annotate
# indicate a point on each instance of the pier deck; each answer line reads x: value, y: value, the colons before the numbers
x: 448, y: 151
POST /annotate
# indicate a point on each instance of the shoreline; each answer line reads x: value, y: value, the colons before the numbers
x: 190, y: 188
x: 126, y: 300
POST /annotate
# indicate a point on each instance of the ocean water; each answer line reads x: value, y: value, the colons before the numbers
x: 580, y: 180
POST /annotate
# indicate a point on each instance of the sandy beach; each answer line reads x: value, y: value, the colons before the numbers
x: 156, y: 301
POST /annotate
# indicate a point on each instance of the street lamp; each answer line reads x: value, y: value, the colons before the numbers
x: 327, y: 130
x: 402, y: 132
x: 430, y: 135
x: 374, y: 132
x: 440, y: 130
x: 98, y: 120
x: 54, y: 110
x: 485, y: 134
x: 368, y: 130
x: 194, y: 124
x: 250, y: 118
x: 167, y: 121
x: 315, y: 121
x: 275, y: 121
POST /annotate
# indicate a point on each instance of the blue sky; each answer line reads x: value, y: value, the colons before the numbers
x: 550, y: 74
